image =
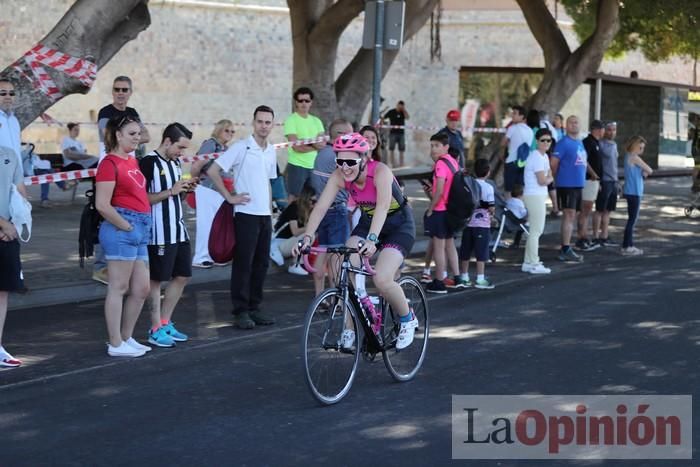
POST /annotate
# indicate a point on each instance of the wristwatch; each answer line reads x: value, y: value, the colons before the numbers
x: 372, y: 237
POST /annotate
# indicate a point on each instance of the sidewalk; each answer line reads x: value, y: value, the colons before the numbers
x: 53, y: 276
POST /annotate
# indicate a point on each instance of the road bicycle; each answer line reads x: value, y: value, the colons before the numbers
x: 329, y: 367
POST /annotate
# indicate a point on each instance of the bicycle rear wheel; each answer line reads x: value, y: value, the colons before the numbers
x: 404, y: 364
x: 328, y: 367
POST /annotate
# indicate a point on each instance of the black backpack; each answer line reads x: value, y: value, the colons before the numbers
x: 461, y: 199
x: 90, y: 221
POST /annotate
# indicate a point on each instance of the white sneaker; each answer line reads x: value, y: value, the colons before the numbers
x: 527, y: 267
x: 347, y: 339
x: 298, y: 270
x: 276, y: 255
x: 632, y: 251
x: 136, y: 345
x: 124, y: 350
x: 538, y: 268
x: 7, y: 360
x: 406, y: 333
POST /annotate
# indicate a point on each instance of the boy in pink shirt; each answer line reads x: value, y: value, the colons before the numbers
x: 441, y: 237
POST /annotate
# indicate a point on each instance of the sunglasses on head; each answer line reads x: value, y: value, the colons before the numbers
x: 7, y: 93
x: 121, y: 89
x: 125, y: 120
x: 304, y: 101
x: 347, y: 162
x: 545, y: 140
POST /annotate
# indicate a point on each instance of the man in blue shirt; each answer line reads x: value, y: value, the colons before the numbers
x: 569, y: 166
x: 454, y: 135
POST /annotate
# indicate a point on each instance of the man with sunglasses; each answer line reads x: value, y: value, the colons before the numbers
x: 121, y: 92
x: 9, y: 125
x: 301, y: 125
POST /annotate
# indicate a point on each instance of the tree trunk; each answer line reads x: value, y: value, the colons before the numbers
x: 564, y: 71
x: 94, y: 30
x: 316, y: 30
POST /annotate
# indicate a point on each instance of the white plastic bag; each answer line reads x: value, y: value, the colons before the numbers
x: 20, y: 214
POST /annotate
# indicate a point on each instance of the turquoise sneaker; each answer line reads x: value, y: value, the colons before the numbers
x: 160, y: 338
x: 174, y: 333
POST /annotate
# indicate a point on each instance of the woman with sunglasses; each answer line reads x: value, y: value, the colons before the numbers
x: 537, y: 176
x: 386, y: 221
x: 122, y: 200
x: 207, y: 199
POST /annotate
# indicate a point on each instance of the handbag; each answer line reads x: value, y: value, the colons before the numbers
x: 20, y: 213
x: 222, y: 238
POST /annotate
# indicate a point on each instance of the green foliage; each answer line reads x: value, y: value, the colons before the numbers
x: 659, y: 28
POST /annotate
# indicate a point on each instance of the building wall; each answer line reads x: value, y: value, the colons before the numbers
x: 198, y: 63
x: 637, y: 110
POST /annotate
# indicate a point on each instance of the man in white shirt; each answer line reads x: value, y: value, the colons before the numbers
x: 253, y: 162
x: 518, y: 133
x: 9, y: 125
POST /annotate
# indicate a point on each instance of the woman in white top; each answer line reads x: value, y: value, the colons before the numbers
x: 537, y: 176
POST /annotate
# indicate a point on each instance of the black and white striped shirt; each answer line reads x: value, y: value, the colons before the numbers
x: 167, y: 222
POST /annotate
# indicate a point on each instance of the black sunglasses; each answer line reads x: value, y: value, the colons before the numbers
x: 125, y: 120
x: 121, y: 89
x: 7, y: 93
x: 304, y: 101
x: 544, y: 140
x: 347, y: 162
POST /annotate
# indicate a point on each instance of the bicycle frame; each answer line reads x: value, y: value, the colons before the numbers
x: 349, y: 295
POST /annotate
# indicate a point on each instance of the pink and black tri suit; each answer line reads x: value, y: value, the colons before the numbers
x: 399, y: 229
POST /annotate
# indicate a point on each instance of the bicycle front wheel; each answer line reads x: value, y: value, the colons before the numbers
x: 329, y: 367
x: 403, y: 365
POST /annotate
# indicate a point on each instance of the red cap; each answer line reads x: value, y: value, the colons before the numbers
x: 453, y: 115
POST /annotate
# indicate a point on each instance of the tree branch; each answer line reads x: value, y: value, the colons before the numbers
x: 607, y: 25
x: 546, y: 31
x: 335, y: 19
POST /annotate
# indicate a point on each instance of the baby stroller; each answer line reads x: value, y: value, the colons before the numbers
x: 505, y: 221
x: 695, y: 197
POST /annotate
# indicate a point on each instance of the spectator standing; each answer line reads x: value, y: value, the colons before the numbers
x: 334, y: 228
x: 559, y: 126
x: 477, y: 235
x: 569, y: 167
x: 75, y: 156
x: 169, y: 250
x: 517, y: 135
x: 591, y: 187
x: 636, y: 170
x: 606, y: 202
x: 454, y: 135
x: 441, y: 236
x: 122, y: 90
x: 9, y: 125
x: 298, y: 126
x: 371, y: 134
x: 11, y: 271
x: 207, y: 198
x: 253, y: 162
x: 397, y: 136
x: 537, y: 176
x: 122, y: 201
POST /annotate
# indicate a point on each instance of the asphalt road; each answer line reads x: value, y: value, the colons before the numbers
x: 613, y: 325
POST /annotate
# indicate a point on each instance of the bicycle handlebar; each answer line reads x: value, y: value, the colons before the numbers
x: 339, y: 249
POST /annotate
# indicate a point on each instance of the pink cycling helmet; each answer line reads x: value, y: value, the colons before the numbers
x: 353, y: 142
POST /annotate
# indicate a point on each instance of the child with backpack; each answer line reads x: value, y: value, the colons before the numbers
x: 476, y: 236
x: 436, y: 221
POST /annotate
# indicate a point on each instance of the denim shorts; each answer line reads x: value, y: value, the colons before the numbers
x: 334, y: 229
x: 120, y: 245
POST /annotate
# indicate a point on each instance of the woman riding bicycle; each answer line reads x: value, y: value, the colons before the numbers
x: 386, y: 221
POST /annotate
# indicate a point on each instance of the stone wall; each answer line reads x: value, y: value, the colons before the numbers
x: 200, y: 62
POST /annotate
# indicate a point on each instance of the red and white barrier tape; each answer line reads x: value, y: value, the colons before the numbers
x: 435, y: 128
x: 89, y: 173
x: 39, y: 56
